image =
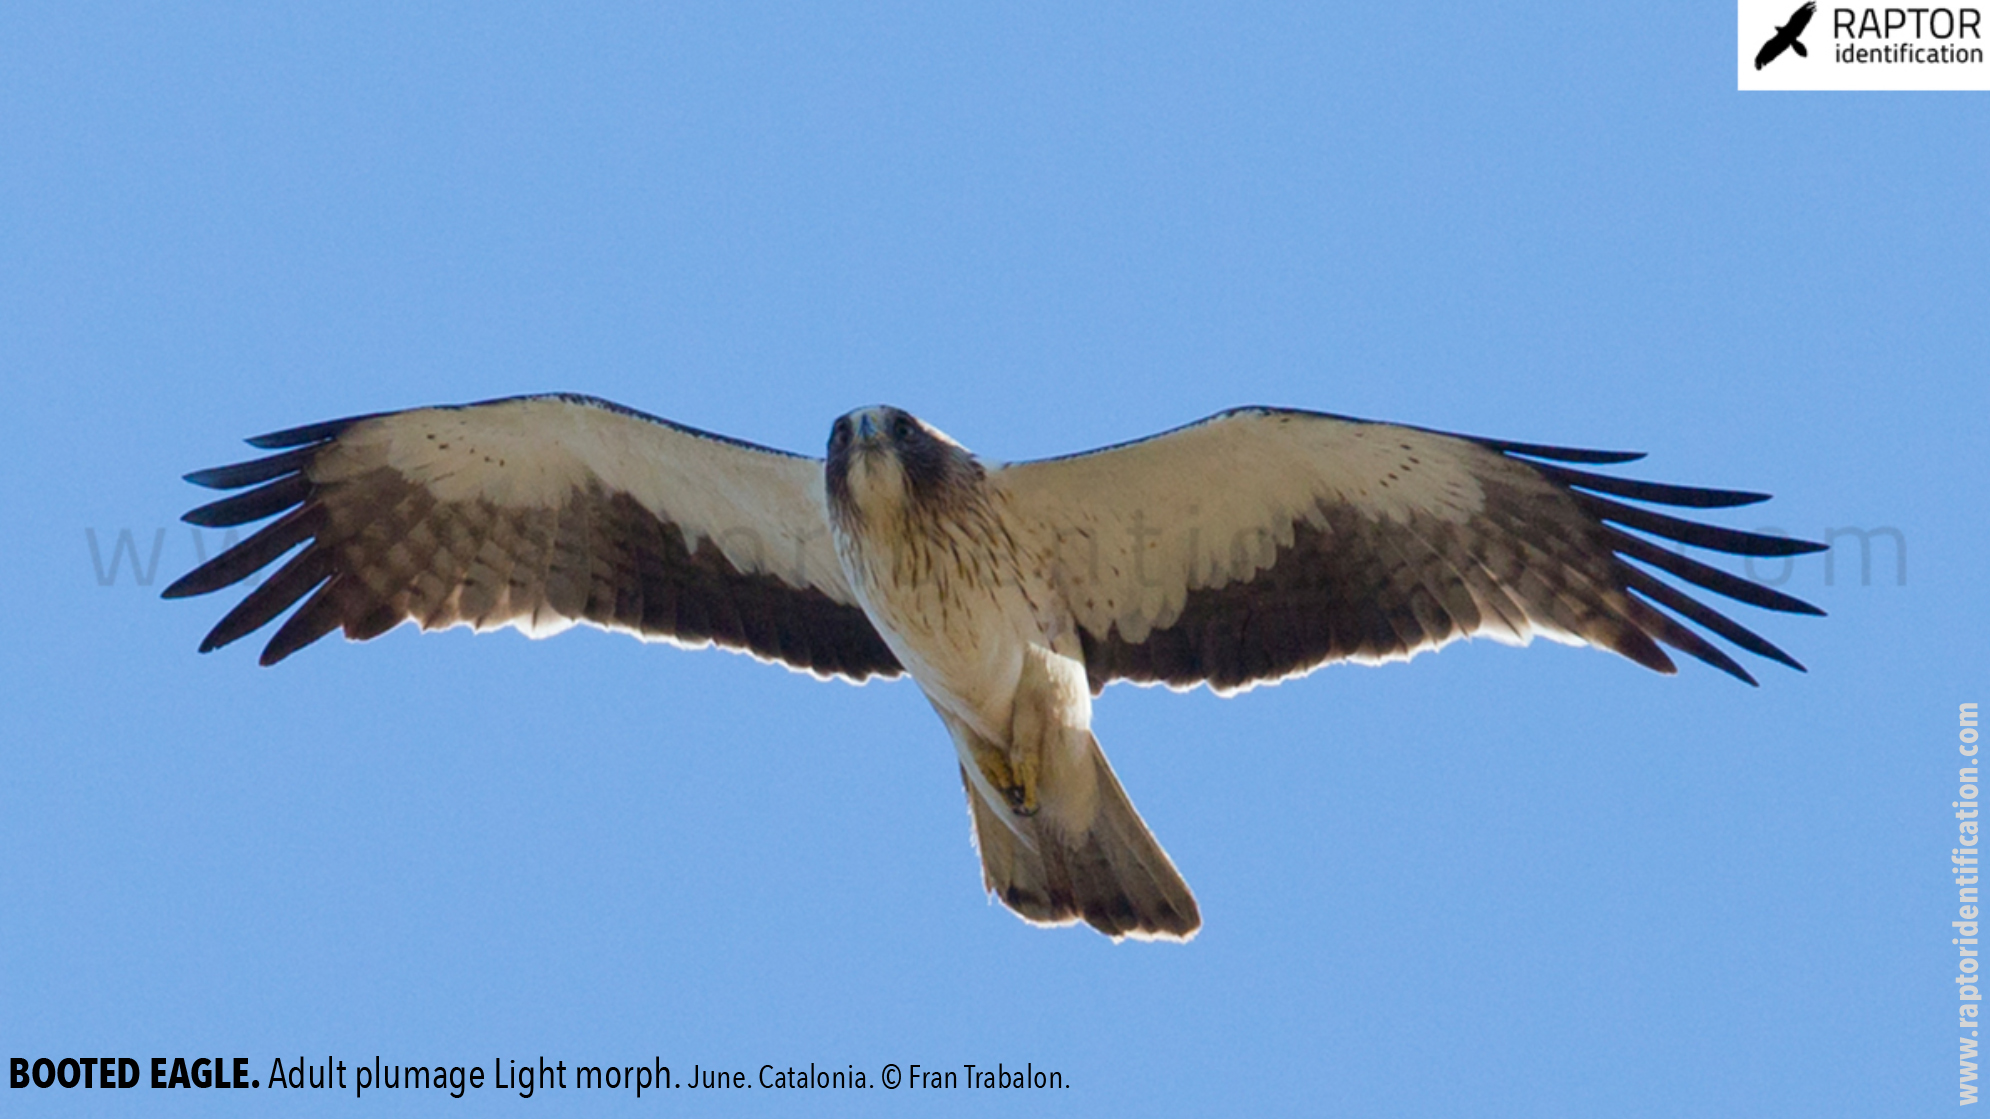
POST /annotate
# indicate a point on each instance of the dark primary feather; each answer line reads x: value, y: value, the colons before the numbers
x: 1557, y: 454
x: 1712, y: 578
x: 319, y: 432
x: 253, y: 471
x: 378, y: 550
x: 1657, y: 493
x: 254, y: 505
x: 1699, y: 535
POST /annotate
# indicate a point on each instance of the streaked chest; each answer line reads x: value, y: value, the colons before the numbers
x: 953, y: 596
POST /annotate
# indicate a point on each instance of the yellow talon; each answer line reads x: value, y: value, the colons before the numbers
x: 1022, y: 790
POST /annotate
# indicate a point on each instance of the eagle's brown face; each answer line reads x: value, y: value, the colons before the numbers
x: 885, y: 463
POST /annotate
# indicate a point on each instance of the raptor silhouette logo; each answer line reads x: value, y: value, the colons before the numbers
x: 1787, y: 37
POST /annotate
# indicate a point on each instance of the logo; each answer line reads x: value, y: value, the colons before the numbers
x: 1788, y: 36
x: 1861, y: 45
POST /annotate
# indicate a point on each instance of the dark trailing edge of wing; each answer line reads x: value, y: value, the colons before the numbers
x: 614, y: 562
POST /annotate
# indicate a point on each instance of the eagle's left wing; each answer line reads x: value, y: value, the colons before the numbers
x: 1262, y: 543
x: 536, y: 512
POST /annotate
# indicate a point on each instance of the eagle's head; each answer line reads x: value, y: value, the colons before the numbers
x: 885, y: 463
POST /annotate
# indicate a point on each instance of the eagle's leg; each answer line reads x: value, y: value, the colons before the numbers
x: 1058, y: 838
x: 1050, y: 729
x: 1021, y: 791
x: 1010, y: 772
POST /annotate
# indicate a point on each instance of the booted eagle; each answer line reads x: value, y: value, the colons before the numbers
x: 1252, y: 546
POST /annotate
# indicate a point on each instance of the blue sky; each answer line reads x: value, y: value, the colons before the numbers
x: 1492, y: 882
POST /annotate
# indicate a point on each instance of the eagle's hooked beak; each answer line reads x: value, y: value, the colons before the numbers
x: 867, y: 427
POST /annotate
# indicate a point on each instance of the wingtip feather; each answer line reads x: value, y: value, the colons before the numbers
x: 307, y: 433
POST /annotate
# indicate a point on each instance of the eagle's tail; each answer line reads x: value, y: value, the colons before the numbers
x: 1798, y: 47
x: 1102, y: 866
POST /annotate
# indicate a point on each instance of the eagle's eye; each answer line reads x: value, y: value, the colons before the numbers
x: 839, y: 434
x: 901, y: 428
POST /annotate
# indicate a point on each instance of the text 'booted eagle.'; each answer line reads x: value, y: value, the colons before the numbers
x: 1255, y: 545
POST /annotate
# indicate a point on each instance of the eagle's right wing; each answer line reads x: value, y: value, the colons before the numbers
x: 1262, y: 543
x: 536, y: 512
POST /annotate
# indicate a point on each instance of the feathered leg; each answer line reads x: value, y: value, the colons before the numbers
x: 1066, y: 844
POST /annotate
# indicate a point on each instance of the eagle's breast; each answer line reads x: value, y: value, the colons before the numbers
x: 941, y: 576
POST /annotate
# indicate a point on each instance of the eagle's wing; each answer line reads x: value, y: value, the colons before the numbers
x: 1799, y: 20
x: 1771, y: 49
x: 536, y: 512
x: 1259, y: 544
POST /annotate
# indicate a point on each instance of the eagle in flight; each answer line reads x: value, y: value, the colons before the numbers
x: 1252, y: 546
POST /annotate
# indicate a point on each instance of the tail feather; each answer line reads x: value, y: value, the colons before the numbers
x: 1109, y: 872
